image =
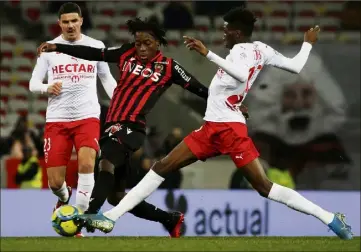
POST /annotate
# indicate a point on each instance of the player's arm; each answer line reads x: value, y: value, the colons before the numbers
x: 184, y: 79
x: 106, y: 77
x: 237, y: 69
x: 296, y: 63
x: 111, y: 54
x: 36, y: 84
x: 293, y: 65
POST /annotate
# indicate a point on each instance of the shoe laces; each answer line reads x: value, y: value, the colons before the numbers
x: 342, y: 218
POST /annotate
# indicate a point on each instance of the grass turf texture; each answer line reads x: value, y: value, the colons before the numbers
x: 182, y: 244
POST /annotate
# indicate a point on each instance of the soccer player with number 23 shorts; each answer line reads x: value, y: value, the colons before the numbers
x: 72, y: 116
x: 224, y: 131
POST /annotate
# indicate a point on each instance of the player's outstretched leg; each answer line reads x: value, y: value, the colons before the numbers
x: 179, y: 157
x: 171, y: 221
x: 255, y: 174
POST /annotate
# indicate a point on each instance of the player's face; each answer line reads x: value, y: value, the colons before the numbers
x: 70, y: 24
x: 229, y: 36
x: 146, y: 46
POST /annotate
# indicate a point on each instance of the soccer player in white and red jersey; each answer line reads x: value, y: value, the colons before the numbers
x: 225, y: 130
x: 72, y: 116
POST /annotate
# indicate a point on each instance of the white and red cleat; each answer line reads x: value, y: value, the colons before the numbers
x: 79, y: 235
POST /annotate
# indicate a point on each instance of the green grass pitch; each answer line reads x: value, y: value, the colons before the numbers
x: 182, y: 244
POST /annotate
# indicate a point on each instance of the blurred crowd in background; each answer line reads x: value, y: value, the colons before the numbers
x: 21, y: 135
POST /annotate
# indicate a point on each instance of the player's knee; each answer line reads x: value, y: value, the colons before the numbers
x: 115, y: 198
x: 113, y: 154
x: 56, y: 177
x: 86, y: 167
x: 55, y: 183
x: 106, y: 165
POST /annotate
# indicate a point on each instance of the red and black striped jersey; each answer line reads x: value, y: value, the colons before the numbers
x: 140, y: 85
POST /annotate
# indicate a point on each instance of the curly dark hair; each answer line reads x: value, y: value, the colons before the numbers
x: 242, y: 19
x: 138, y: 25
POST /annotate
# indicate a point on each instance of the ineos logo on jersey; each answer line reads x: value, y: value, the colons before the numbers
x: 141, y: 70
x: 73, y: 68
x: 182, y: 73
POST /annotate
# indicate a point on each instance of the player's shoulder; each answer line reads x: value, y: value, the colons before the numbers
x: 173, y: 62
x: 93, y: 42
x: 262, y: 46
x: 58, y: 39
x: 241, y: 47
x: 242, y: 50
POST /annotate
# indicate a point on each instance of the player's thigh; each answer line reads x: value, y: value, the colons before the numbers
x: 244, y: 154
x: 86, y: 159
x: 113, y: 153
x: 58, y: 145
x: 86, y: 134
x: 179, y: 157
x: 234, y: 141
x: 199, y: 144
x: 120, y: 144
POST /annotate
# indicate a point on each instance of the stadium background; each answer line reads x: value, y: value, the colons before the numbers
x: 325, y: 152
x: 307, y: 127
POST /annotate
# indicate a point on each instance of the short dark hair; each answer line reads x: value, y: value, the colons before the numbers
x: 69, y: 8
x: 242, y: 19
x: 138, y: 25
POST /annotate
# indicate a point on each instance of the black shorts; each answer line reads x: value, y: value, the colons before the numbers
x: 118, y: 143
x: 130, y: 135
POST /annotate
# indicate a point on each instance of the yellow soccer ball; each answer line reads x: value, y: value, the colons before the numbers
x: 62, y: 220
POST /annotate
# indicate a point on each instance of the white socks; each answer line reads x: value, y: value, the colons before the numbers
x: 62, y: 193
x: 297, y: 202
x: 84, y: 190
x: 137, y: 194
x: 278, y: 193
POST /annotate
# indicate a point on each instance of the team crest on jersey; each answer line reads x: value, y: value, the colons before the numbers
x: 158, y: 67
x: 113, y: 129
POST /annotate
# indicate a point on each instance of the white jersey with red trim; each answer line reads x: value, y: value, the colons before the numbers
x: 78, y: 98
x: 237, y: 73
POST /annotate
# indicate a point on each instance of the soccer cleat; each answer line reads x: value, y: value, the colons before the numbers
x: 96, y: 221
x: 340, y: 227
x: 61, y: 203
x: 79, y: 235
x: 174, y: 224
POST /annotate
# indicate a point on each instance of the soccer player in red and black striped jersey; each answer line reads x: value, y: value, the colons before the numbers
x: 145, y: 74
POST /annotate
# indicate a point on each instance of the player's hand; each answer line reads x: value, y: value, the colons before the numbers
x: 244, y: 111
x: 195, y: 44
x: 311, y: 36
x: 55, y: 88
x: 46, y: 47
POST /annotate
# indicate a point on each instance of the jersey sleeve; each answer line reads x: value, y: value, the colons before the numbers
x: 39, y: 72
x: 237, y: 67
x: 106, y: 54
x: 105, y: 76
x: 184, y: 79
x: 294, y: 65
